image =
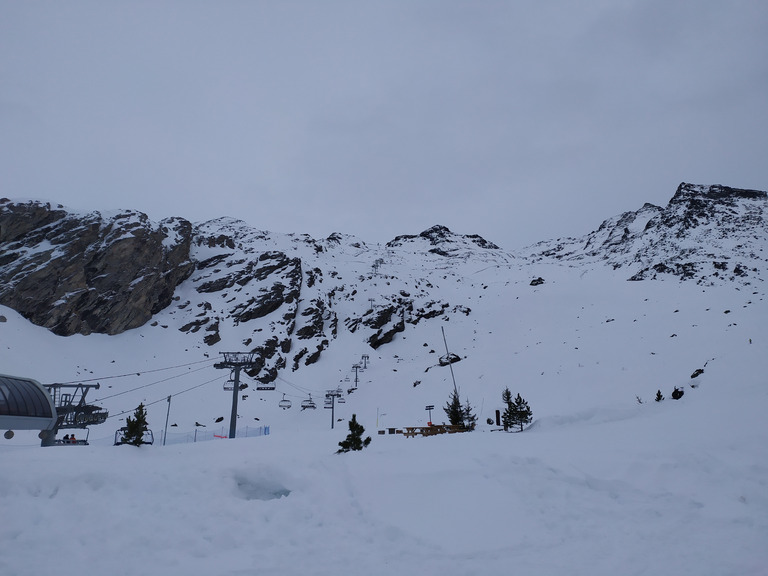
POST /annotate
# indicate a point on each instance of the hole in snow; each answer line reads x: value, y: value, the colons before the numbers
x: 260, y: 488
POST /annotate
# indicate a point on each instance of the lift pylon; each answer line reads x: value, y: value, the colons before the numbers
x: 236, y: 361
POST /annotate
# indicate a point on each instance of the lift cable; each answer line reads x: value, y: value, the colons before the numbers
x: 300, y: 388
x: 136, y: 373
x: 165, y: 398
x: 150, y: 384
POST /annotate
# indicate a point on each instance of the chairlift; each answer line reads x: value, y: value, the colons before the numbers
x: 341, y: 400
x: 309, y: 403
x: 148, y: 437
x: 72, y: 440
x: 261, y: 386
x: 230, y: 384
x: 284, y: 403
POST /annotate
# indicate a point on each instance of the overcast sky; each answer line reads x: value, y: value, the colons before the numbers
x: 520, y: 121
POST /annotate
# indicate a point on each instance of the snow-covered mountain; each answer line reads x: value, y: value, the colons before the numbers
x: 290, y: 299
x: 587, y: 330
x: 711, y: 234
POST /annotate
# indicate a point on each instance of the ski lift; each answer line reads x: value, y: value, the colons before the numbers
x: 265, y: 386
x: 284, y: 403
x: 147, y: 438
x: 71, y: 440
x: 341, y: 400
x: 309, y: 403
x: 230, y: 384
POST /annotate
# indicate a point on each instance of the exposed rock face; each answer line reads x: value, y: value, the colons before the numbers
x: 708, y: 234
x: 442, y: 241
x: 89, y: 273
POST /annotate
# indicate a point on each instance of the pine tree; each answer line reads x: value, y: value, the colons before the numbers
x: 659, y: 396
x: 135, y: 427
x: 522, y: 412
x: 508, y: 416
x: 454, y: 410
x: 470, y: 418
x: 354, y: 440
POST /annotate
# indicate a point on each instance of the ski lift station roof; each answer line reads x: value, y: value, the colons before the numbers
x: 25, y: 404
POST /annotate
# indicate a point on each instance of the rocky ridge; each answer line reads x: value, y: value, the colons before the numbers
x: 708, y: 234
x: 288, y: 297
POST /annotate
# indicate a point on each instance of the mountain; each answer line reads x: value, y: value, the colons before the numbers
x: 604, y: 481
x: 287, y: 297
x: 710, y: 234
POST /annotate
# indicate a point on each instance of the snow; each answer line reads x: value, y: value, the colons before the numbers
x: 599, y: 484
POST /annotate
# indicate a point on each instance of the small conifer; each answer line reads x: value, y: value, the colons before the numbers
x: 507, y: 416
x: 354, y: 440
x: 454, y: 410
x: 135, y: 427
x: 521, y: 412
x: 470, y: 418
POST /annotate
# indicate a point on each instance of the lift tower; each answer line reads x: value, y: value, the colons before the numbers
x: 236, y: 361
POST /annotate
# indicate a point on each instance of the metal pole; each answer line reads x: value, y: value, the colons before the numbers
x: 450, y: 364
x: 165, y: 434
x: 233, y: 416
x: 333, y: 409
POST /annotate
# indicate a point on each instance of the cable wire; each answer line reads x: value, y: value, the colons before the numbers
x: 166, y: 397
x: 150, y: 384
x: 135, y: 373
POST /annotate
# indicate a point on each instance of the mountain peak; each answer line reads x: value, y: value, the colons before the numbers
x: 686, y: 192
x: 442, y: 239
x: 710, y: 234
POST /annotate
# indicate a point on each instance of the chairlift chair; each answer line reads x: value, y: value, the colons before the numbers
x: 230, y: 384
x: 309, y: 403
x: 284, y: 403
x: 75, y: 442
x: 148, y: 437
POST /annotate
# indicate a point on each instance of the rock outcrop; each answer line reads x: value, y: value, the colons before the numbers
x: 78, y: 274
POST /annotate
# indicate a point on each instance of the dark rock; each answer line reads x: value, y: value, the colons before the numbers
x: 87, y: 273
x: 314, y: 327
x: 450, y: 358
